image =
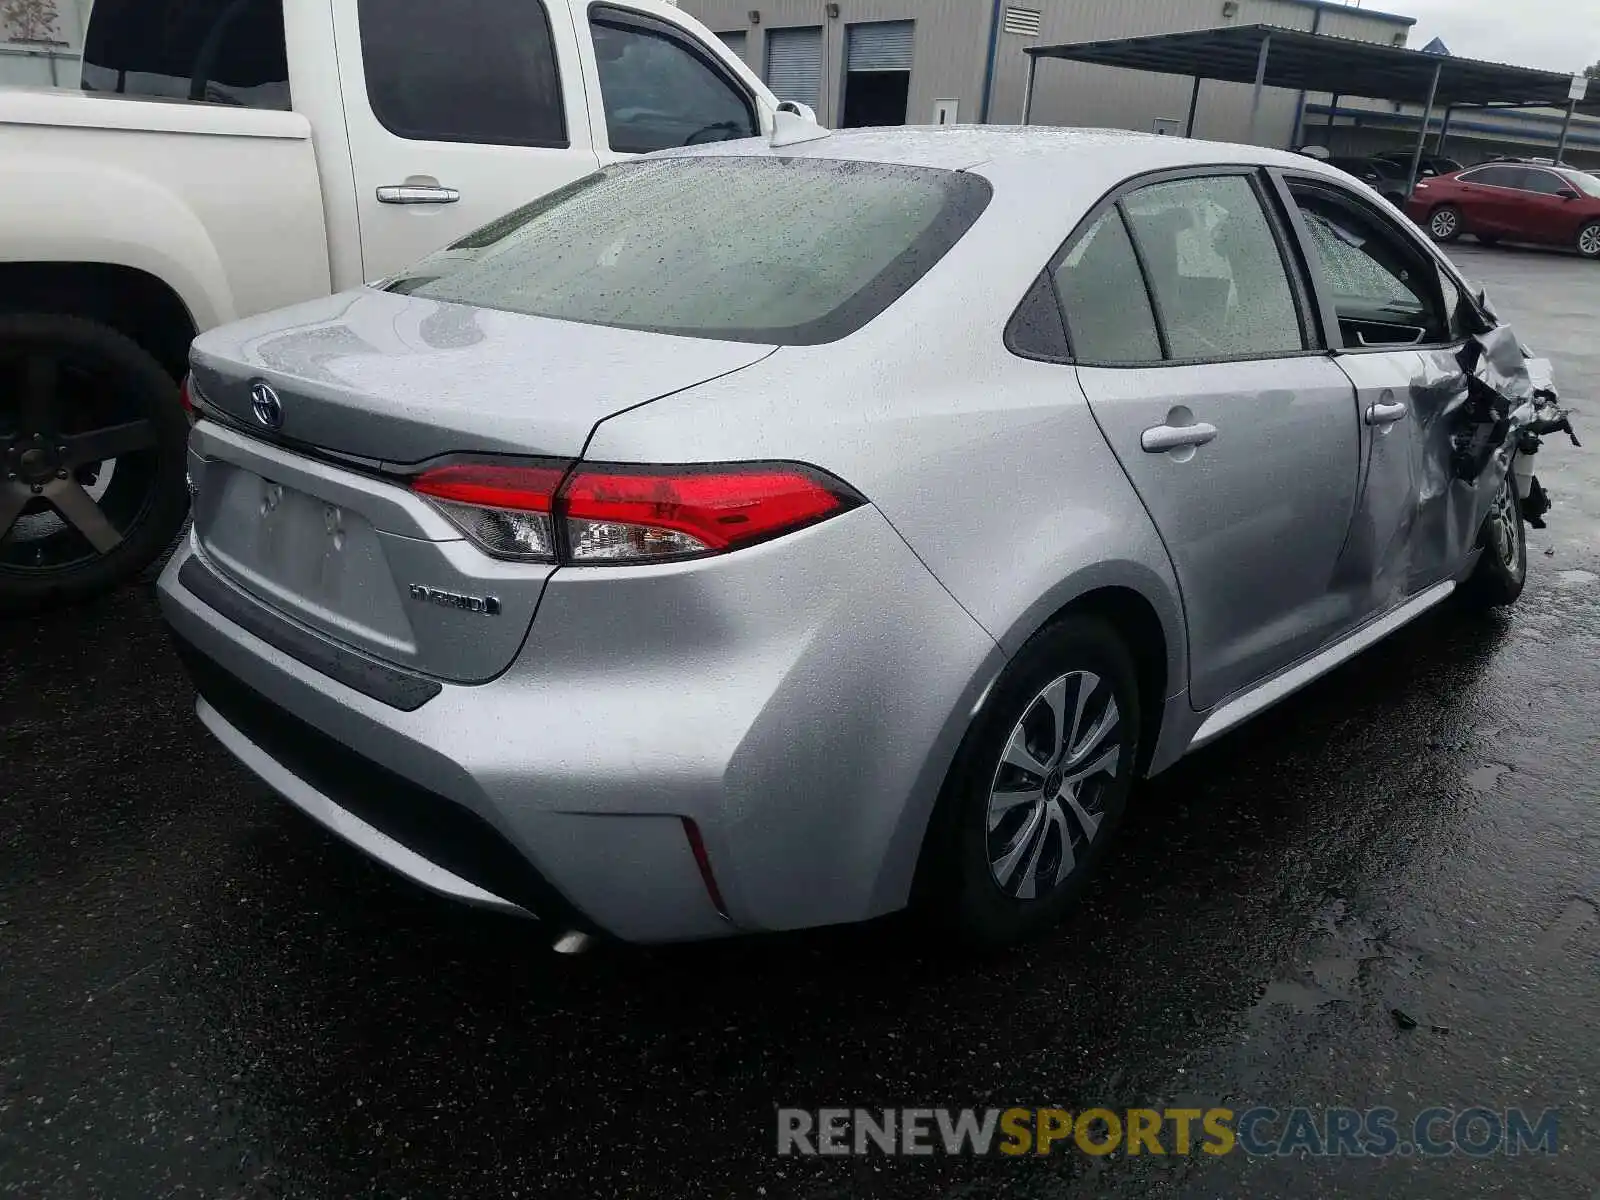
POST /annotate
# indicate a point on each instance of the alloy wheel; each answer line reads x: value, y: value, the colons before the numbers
x: 1045, y: 802
x: 1589, y: 241
x: 77, y: 463
x: 1443, y: 223
x: 1505, y: 528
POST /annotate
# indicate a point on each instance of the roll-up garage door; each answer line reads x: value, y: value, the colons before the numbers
x: 734, y: 41
x: 794, y: 64
x: 880, y: 46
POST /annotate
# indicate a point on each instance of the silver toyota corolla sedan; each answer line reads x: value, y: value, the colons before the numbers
x: 767, y: 536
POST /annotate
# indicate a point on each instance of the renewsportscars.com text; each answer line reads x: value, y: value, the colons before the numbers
x: 1334, y: 1132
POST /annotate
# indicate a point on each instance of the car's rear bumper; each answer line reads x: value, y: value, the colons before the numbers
x: 798, y: 701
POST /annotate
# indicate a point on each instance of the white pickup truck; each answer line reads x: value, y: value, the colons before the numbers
x: 230, y: 156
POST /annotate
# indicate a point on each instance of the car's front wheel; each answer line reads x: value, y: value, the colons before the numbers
x: 92, y: 439
x: 1444, y: 224
x: 1502, y: 568
x: 1038, y: 787
x: 1589, y: 240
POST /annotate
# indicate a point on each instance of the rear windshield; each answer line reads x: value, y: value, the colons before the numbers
x: 786, y: 251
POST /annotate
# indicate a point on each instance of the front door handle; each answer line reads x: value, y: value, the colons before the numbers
x: 1385, y: 414
x: 413, y: 193
x: 1158, y: 439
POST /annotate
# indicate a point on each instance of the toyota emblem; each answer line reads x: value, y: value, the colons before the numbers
x: 266, y: 406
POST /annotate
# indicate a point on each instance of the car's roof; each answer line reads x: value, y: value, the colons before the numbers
x: 966, y: 147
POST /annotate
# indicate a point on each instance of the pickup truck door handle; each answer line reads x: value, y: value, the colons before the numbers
x: 1385, y: 414
x: 1158, y: 439
x: 411, y: 193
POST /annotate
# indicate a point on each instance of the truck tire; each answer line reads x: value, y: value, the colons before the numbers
x: 92, y: 448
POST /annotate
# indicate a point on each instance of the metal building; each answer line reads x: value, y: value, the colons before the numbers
x: 861, y: 62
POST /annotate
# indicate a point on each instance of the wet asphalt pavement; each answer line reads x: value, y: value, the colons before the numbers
x: 201, y: 994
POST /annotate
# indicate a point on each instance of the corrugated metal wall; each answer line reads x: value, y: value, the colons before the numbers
x: 951, y: 42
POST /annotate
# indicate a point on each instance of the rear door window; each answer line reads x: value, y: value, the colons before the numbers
x: 660, y: 89
x: 787, y: 251
x: 215, y: 51
x: 1109, y: 318
x: 1215, y: 269
x: 468, y: 71
x: 1505, y: 177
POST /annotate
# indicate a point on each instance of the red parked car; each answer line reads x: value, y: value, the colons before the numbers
x: 1520, y: 202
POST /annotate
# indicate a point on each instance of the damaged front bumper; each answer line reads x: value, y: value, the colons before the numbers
x: 1506, y: 403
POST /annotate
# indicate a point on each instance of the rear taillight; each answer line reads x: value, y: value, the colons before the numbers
x: 621, y: 514
x: 505, y: 509
x: 186, y: 394
x: 614, y: 514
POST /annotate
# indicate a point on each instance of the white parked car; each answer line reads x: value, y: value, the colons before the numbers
x: 226, y: 157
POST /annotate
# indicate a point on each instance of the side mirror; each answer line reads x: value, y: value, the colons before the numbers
x: 1567, y: 194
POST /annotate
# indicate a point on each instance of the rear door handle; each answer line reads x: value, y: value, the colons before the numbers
x: 412, y: 193
x: 1385, y: 414
x: 1158, y: 439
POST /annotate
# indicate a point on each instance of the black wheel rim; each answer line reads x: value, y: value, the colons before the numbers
x: 79, y: 459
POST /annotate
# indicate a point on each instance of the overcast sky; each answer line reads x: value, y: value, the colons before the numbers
x: 1558, y: 35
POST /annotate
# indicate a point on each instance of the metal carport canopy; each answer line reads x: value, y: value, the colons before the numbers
x: 1319, y: 62
x: 1296, y: 59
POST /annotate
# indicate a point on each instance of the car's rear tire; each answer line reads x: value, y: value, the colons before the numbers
x: 1502, y: 569
x: 1588, y: 241
x: 1027, y: 812
x: 1444, y: 223
x: 92, y: 444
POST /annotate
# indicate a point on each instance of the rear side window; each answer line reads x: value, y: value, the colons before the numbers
x: 217, y: 51
x: 1109, y: 319
x: 1506, y: 177
x: 1219, y: 280
x: 468, y: 71
x: 661, y: 90
x: 790, y: 251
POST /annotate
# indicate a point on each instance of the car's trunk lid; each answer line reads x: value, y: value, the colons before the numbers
x: 402, y: 379
x: 313, y: 518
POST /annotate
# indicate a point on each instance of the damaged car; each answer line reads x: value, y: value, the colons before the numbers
x: 787, y: 532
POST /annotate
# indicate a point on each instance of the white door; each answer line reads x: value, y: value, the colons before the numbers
x: 457, y: 114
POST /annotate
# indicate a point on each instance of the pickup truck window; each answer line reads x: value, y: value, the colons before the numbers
x: 220, y: 51
x: 787, y: 251
x: 479, y: 71
x: 661, y: 90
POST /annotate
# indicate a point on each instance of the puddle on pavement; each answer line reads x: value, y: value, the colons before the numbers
x: 1486, y: 778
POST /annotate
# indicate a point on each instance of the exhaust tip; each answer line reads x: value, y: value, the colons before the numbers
x: 572, y: 942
